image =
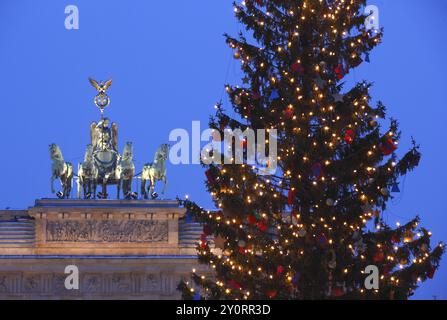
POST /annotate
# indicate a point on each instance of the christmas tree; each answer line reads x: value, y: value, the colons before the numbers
x: 311, y: 230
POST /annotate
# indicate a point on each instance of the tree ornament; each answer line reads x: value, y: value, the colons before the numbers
x: 203, y: 241
x: 302, y: 233
x: 251, y: 219
x: 385, y: 192
x: 395, y: 239
x: 349, y: 136
x: 338, y: 291
x: 330, y: 202
x: 388, y: 147
x: 387, y: 269
x: 379, y: 256
x: 237, y: 55
x: 235, y: 285
x: 291, y: 197
x: 289, y: 112
x: 262, y: 226
x: 297, y: 67
x: 340, y: 71
x: 272, y: 294
x: 274, y: 95
x: 279, y: 270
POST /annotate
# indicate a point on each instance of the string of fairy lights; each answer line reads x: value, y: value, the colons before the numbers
x: 342, y: 151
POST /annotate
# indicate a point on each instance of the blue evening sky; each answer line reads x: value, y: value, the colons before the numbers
x: 169, y: 63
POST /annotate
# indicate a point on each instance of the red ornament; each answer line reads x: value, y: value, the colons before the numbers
x: 279, y: 270
x: 272, y: 294
x: 386, y: 270
x: 289, y: 113
x: 233, y: 284
x: 291, y: 197
x: 297, y: 67
x: 338, y: 292
x: 379, y: 256
x: 203, y: 241
x: 251, y: 219
x: 241, y: 250
x: 262, y: 226
x: 340, y: 71
x: 349, y: 136
x: 395, y: 239
x: 388, y: 147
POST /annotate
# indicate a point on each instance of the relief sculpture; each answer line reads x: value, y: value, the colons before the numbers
x: 107, y: 231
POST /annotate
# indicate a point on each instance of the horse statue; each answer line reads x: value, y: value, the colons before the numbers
x: 87, y: 175
x: 60, y: 170
x: 125, y: 172
x: 154, y: 172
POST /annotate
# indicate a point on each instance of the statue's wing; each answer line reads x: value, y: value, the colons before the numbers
x: 93, y: 134
x: 115, y: 135
x: 107, y: 84
x: 94, y: 83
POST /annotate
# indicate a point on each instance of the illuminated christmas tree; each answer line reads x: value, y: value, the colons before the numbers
x: 310, y: 230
